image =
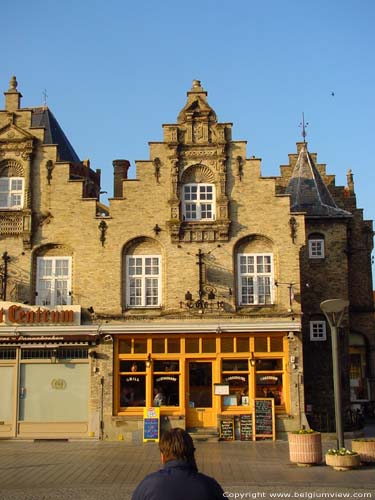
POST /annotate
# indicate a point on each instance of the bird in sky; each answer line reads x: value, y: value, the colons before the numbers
x: 332, y: 93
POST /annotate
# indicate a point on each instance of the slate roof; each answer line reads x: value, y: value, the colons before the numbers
x: 308, y: 192
x: 53, y: 134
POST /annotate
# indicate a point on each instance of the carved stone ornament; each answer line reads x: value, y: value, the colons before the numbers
x: 45, y: 218
x: 196, y: 232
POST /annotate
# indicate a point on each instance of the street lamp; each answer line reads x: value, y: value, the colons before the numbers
x: 334, y: 311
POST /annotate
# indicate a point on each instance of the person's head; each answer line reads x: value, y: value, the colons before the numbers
x: 177, y: 444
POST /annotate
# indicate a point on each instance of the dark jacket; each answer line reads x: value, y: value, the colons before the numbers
x: 178, y: 480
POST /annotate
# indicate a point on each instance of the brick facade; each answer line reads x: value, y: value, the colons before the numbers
x: 62, y: 216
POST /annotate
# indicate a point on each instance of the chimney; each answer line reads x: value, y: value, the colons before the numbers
x: 12, y: 96
x: 120, y: 172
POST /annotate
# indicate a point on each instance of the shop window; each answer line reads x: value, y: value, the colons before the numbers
x: 158, y: 346
x: 143, y: 283
x: 269, y: 364
x: 173, y: 345
x: 318, y: 330
x: 65, y: 353
x: 234, y: 365
x: 132, y: 390
x: 140, y: 346
x: 7, y: 353
x: 208, y: 345
x: 255, y: 276
x: 243, y: 344
x: 276, y: 344
x: 166, y: 383
x: 261, y: 344
x: 11, y: 193
x: 227, y: 344
x: 192, y: 345
x: 125, y: 346
x: 269, y: 385
x: 166, y: 390
x: 132, y: 366
x: 53, y: 285
x: 235, y: 373
x: 166, y: 366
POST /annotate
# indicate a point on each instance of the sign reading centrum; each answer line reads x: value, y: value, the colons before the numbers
x: 11, y: 313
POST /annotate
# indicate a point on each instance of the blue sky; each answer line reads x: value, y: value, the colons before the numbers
x: 115, y: 71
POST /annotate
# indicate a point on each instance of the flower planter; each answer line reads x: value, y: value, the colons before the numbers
x: 305, y: 449
x: 365, y: 448
x: 343, y: 462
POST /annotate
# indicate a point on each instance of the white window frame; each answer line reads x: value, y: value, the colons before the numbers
x: 48, y: 286
x: 11, y: 192
x: 254, y: 278
x: 140, y: 300
x: 318, y: 331
x: 194, y: 204
x: 316, y: 248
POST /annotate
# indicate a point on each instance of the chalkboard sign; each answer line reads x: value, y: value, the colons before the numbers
x: 264, y: 418
x: 227, y: 429
x: 246, y: 427
x: 151, y: 424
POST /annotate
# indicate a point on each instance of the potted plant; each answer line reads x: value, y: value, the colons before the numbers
x: 305, y: 447
x: 365, y: 447
x: 342, y: 459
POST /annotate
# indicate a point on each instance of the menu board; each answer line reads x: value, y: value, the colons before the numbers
x: 246, y: 427
x: 227, y: 429
x: 151, y: 424
x: 264, y: 418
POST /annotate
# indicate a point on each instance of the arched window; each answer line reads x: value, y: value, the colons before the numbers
x: 11, y: 185
x: 143, y: 274
x: 198, y: 196
x: 255, y: 271
x: 54, y: 276
x: 198, y: 202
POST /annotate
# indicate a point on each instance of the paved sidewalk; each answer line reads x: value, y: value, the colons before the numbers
x: 110, y: 471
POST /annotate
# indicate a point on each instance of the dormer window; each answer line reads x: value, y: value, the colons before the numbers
x: 11, y: 193
x: 198, y: 202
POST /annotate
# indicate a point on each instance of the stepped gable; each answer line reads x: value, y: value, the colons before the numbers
x: 42, y: 117
x: 308, y: 192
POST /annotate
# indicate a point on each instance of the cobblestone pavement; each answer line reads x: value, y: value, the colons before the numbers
x: 96, y: 470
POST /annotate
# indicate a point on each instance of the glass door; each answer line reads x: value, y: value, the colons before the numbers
x: 199, y: 402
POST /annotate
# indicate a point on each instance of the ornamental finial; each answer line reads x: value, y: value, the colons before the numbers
x: 13, y: 84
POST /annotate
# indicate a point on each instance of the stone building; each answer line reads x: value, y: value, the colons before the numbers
x: 197, y: 288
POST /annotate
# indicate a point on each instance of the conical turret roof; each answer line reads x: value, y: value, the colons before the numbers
x: 308, y: 192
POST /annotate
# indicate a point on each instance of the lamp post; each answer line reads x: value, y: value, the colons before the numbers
x: 334, y: 311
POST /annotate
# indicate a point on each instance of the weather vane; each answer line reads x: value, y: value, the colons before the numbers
x: 303, y: 125
x: 45, y: 95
